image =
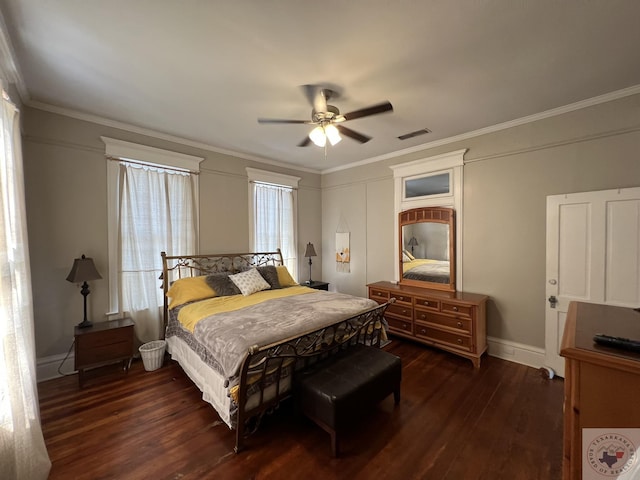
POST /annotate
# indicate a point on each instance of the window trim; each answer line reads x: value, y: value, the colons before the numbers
x: 145, y: 154
x: 451, y: 161
x: 119, y: 149
x: 279, y: 179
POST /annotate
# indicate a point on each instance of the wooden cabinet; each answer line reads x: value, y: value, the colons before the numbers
x: 602, y: 385
x: 453, y: 321
x: 101, y: 344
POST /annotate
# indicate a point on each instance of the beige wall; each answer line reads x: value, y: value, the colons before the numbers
x: 66, y: 192
x: 507, y: 177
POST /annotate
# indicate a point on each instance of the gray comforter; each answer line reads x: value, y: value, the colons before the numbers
x: 437, y: 272
x: 228, y: 336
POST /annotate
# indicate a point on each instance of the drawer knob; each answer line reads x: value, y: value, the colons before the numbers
x: 455, y: 309
x: 422, y: 316
x: 404, y: 325
x: 459, y: 324
x: 426, y: 304
x: 404, y: 312
x: 423, y: 331
x: 460, y: 340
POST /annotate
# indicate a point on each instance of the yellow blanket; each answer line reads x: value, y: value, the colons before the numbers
x: 406, y: 266
x: 191, y: 314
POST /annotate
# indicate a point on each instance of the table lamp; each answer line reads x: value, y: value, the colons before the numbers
x: 413, y: 243
x: 310, y: 252
x: 83, y: 270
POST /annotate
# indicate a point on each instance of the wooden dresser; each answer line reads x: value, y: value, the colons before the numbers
x: 452, y: 321
x: 602, y: 385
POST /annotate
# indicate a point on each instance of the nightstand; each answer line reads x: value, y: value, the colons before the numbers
x: 102, y: 344
x: 317, y: 285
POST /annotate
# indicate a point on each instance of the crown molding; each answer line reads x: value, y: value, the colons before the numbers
x: 607, y: 97
x: 87, y: 117
x: 417, y: 148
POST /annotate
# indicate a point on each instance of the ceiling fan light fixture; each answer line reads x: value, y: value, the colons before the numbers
x: 318, y: 137
x: 332, y: 134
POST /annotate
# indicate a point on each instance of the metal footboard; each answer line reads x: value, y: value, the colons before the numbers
x: 266, y: 371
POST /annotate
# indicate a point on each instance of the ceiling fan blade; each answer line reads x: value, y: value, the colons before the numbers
x: 347, y: 132
x: 316, y: 95
x: 281, y: 120
x: 373, y: 110
x: 305, y: 142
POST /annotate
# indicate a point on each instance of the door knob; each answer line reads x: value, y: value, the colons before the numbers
x: 553, y: 301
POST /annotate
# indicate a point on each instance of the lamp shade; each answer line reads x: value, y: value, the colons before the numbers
x: 413, y: 242
x: 83, y: 270
x: 332, y: 134
x: 310, y: 251
x: 318, y: 137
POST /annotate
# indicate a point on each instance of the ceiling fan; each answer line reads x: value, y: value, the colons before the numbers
x: 328, y: 119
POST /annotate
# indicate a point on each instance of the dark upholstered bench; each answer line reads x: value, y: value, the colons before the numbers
x: 338, y: 388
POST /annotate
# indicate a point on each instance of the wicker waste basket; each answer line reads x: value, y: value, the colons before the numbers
x: 152, y: 354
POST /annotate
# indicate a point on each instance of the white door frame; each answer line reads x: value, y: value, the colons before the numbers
x: 593, y: 255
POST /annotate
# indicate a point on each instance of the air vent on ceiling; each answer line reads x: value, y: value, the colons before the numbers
x: 422, y: 131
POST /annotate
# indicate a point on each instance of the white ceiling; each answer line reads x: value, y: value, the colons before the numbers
x: 204, y: 71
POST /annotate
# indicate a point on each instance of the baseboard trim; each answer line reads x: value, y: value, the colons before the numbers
x: 47, y: 367
x: 516, y: 352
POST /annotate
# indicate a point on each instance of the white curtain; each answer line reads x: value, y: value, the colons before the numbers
x: 274, y: 223
x: 23, y: 454
x: 157, y: 213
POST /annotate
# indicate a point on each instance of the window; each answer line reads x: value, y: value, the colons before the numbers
x: 24, y: 454
x: 427, y: 185
x: 273, y: 206
x: 153, y: 207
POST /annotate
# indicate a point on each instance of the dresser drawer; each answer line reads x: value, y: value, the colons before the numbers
x: 428, y: 304
x: 456, y: 309
x: 400, y: 311
x: 378, y: 295
x: 402, y: 299
x: 403, y: 326
x: 105, y: 337
x: 104, y: 353
x: 458, y: 341
x: 463, y: 324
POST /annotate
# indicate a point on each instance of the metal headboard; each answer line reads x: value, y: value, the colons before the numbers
x: 175, y: 267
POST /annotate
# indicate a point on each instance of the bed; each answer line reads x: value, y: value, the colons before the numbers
x: 427, y: 270
x: 241, y: 341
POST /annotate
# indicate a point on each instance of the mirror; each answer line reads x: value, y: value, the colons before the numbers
x: 427, y: 248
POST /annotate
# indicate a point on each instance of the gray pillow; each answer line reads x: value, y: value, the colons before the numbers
x: 270, y: 274
x: 222, y: 284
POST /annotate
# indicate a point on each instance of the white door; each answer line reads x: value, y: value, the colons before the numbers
x: 593, y: 255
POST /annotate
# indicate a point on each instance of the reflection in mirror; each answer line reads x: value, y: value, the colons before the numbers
x: 427, y: 250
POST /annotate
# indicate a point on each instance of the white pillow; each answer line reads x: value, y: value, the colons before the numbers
x: 249, y: 282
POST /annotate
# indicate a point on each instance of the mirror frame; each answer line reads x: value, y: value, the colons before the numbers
x: 436, y: 215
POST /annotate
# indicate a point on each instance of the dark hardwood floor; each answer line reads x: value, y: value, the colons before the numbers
x: 503, y: 421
